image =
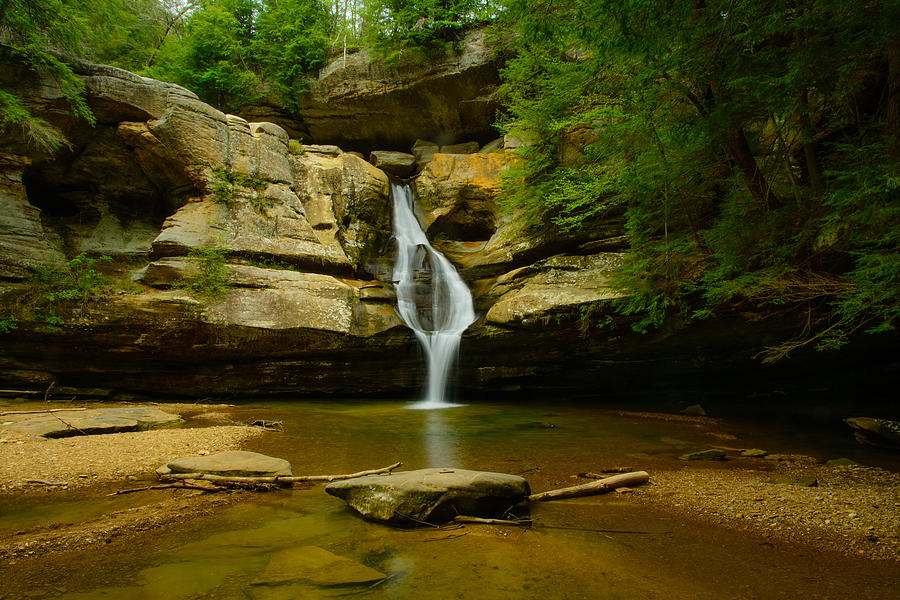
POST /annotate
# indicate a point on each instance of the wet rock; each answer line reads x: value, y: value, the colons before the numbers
x: 711, y: 454
x: 232, y: 463
x: 399, y: 164
x: 841, y: 462
x: 431, y: 495
x: 880, y: 433
x: 316, y: 566
x: 94, y: 421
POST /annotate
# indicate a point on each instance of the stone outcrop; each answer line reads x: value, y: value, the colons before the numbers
x: 366, y: 103
x: 431, y: 495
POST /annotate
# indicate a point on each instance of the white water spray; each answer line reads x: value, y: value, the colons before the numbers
x: 432, y: 298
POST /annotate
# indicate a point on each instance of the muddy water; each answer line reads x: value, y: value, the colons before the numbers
x: 602, y: 547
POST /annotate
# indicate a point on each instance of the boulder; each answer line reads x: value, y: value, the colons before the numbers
x: 94, y: 421
x: 231, y: 463
x: 881, y: 433
x: 398, y: 164
x: 431, y: 495
x: 424, y: 152
x: 463, y: 148
x: 316, y: 566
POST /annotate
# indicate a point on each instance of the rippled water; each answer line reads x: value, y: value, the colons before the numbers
x: 600, y: 547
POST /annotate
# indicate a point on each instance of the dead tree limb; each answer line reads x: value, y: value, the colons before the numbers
x: 47, y: 482
x: 601, y: 486
x: 598, y: 474
x: 479, y: 520
x: 38, y: 412
x: 279, y: 479
x: 167, y: 486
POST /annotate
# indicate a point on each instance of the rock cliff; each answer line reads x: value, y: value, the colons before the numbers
x: 245, y: 263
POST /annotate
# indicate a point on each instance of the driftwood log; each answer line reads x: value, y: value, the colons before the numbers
x: 601, y: 486
x: 280, y: 480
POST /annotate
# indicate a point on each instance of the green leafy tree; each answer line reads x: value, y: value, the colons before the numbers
x: 34, y: 34
x: 395, y: 25
x: 727, y: 130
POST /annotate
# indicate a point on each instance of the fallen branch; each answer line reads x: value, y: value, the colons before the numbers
x: 598, y: 474
x: 479, y: 520
x: 167, y: 486
x: 20, y: 392
x: 47, y: 482
x: 601, y: 486
x: 38, y: 412
x: 279, y: 479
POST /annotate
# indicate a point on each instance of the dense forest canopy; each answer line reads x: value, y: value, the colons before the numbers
x: 752, y: 146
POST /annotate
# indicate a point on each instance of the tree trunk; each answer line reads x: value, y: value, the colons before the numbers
x: 816, y: 181
x: 743, y: 157
x: 892, y: 116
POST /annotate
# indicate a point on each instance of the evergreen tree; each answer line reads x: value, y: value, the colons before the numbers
x: 729, y: 130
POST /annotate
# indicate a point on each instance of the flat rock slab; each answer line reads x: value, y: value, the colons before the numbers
x: 431, y: 495
x: 232, y: 463
x: 317, y: 566
x: 94, y: 421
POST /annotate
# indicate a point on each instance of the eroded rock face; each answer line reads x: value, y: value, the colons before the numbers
x: 23, y: 241
x: 457, y: 193
x: 529, y: 294
x: 431, y: 495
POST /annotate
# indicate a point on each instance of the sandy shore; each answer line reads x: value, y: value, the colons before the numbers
x: 853, y: 509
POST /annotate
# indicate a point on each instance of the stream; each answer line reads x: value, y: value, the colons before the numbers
x: 610, y: 546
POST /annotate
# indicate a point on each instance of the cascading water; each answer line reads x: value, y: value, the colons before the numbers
x: 432, y: 298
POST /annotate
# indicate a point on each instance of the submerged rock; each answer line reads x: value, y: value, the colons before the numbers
x: 431, y: 495
x: 711, y: 454
x: 94, y: 421
x: 232, y: 463
x: 317, y: 566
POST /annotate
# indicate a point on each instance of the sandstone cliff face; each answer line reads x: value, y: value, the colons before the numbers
x: 363, y: 103
x: 182, y: 197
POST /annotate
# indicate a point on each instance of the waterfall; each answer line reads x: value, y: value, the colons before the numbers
x: 432, y: 298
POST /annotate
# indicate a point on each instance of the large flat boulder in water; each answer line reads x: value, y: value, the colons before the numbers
x: 431, y: 495
x: 232, y: 463
x: 94, y: 421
